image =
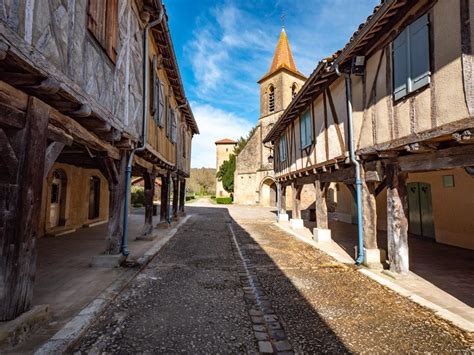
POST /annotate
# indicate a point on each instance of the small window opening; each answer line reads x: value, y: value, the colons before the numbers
x: 271, y: 99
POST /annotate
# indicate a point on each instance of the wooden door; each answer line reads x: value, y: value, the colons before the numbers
x: 420, y: 210
x: 55, y: 202
x: 94, y: 197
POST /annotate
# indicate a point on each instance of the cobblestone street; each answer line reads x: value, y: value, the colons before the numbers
x: 230, y: 281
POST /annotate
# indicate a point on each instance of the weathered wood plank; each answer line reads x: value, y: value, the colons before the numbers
x: 52, y: 153
x: 450, y: 158
x: 7, y: 154
x: 369, y: 213
x: 397, y: 219
x: 11, y: 117
x: 18, y: 237
x: 56, y: 134
x: 321, y: 205
x: 175, y: 198
x: 149, y: 182
x: 82, y: 135
x: 164, y: 197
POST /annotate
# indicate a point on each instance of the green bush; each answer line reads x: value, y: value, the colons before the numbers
x: 213, y: 197
x: 137, y: 196
x: 224, y: 200
x: 189, y: 198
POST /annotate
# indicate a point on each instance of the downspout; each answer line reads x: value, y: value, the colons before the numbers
x: 128, y: 172
x: 360, y: 227
x: 278, y: 200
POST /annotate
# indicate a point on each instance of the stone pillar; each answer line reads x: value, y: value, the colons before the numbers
x: 182, y: 196
x: 149, y: 180
x: 175, y: 198
x: 321, y: 233
x: 397, y: 219
x: 296, y: 222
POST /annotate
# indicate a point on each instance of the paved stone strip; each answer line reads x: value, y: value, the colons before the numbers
x: 269, y: 332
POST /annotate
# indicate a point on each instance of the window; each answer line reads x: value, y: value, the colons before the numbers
x: 293, y: 90
x: 306, y: 133
x: 411, y: 58
x: 271, y: 99
x: 158, y: 89
x: 282, y: 148
x: 102, y: 22
x: 174, y: 126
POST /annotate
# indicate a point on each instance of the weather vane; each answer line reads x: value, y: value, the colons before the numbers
x: 283, y: 19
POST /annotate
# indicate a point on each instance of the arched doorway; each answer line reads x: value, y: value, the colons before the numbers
x: 57, y: 207
x: 268, y: 193
x: 94, y: 197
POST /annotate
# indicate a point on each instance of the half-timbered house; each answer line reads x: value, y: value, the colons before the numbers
x: 388, y: 121
x: 90, y: 93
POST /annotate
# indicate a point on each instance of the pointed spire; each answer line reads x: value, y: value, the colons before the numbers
x: 283, y: 57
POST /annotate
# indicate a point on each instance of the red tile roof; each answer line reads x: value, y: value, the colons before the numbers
x: 226, y: 141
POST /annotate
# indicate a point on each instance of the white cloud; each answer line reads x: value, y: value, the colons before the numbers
x: 214, y: 124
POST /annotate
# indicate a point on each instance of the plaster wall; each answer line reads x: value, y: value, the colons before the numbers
x: 77, y: 198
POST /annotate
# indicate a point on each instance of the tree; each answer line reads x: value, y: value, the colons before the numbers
x: 226, y: 174
x: 202, y: 181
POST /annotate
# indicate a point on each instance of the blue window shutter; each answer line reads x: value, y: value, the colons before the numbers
x: 282, y: 148
x: 154, y: 90
x: 305, y: 129
x: 419, y: 53
x: 400, y: 65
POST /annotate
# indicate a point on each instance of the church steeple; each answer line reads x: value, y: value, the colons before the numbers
x: 282, y: 59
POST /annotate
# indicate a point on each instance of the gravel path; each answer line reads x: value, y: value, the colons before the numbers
x: 227, y: 284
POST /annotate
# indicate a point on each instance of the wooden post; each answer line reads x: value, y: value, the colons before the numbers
x: 283, y: 199
x: 182, y: 195
x: 296, y: 196
x: 164, y: 198
x: 369, y: 213
x: 321, y: 205
x: 397, y: 221
x: 175, y: 197
x: 20, y: 203
x: 117, y: 198
x: 149, y: 180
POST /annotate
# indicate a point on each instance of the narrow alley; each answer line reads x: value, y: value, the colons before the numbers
x: 230, y: 281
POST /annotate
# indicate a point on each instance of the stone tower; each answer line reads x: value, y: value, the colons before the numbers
x: 224, y: 148
x: 254, y: 183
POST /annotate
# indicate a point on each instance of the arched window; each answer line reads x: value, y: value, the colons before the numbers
x: 271, y: 99
x: 294, y: 88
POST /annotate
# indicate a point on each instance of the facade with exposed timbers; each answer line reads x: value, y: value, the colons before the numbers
x: 405, y: 80
x: 80, y: 111
x: 254, y: 182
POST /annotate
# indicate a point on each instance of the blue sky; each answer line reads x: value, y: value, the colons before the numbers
x: 224, y: 46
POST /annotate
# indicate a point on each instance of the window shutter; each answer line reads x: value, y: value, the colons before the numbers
x: 161, y: 102
x: 174, y: 127
x: 400, y: 65
x: 111, y: 32
x: 155, y: 89
x: 168, y: 116
x: 95, y: 19
x: 419, y: 53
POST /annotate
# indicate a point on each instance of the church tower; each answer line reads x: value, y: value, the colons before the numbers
x: 254, y: 181
x: 280, y: 84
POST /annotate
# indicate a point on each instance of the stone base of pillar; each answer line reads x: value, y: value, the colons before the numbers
x: 162, y: 225
x: 321, y: 235
x: 107, y: 261
x: 296, y: 223
x: 374, y: 258
x: 283, y: 217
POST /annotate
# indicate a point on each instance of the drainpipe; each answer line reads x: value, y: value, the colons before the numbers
x: 360, y: 227
x: 278, y: 200
x: 128, y: 172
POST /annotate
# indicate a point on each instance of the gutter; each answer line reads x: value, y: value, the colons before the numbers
x: 360, y: 227
x: 128, y: 172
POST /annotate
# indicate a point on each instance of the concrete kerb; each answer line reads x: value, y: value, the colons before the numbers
x: 66, y: 337
x: 441, y: 312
